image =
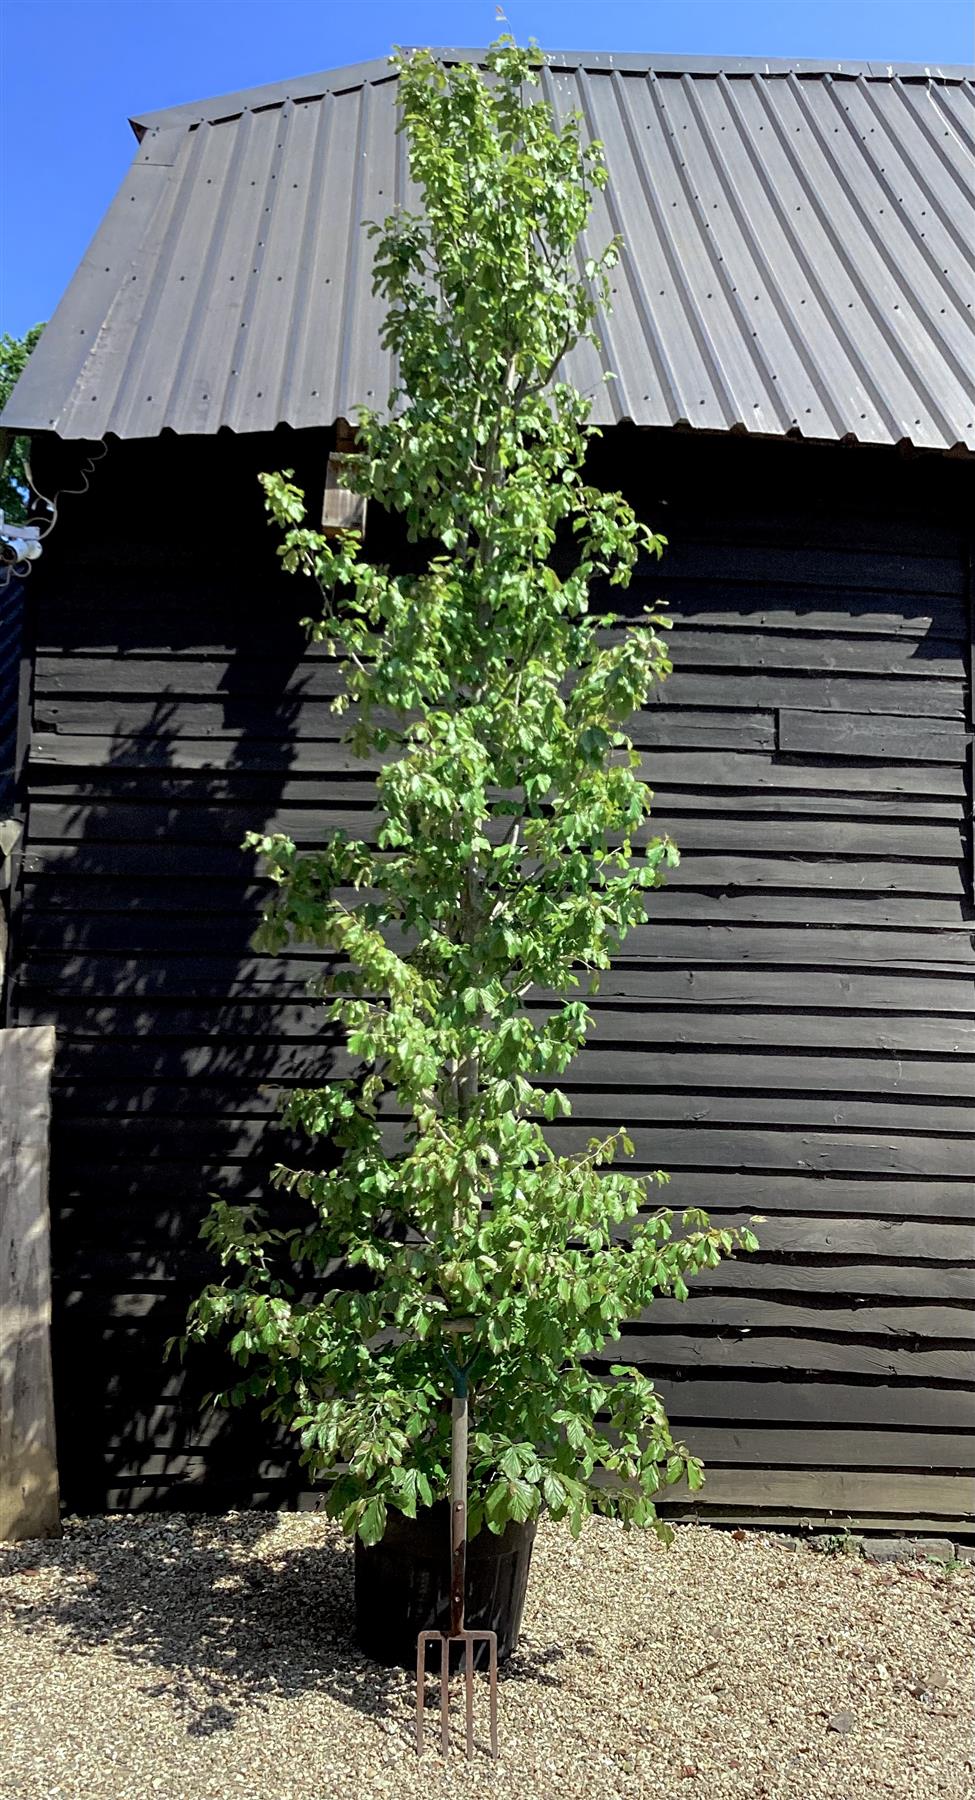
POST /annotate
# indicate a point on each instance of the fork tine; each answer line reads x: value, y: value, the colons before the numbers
x: 469, y: 1687
x: 445, y: 1695
x: 493, y: 1689
x: 421, y: 1662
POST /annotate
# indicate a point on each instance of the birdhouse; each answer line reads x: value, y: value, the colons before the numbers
x: 342, y: 510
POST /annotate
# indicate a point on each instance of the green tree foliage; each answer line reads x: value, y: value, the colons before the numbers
x: 13, y: 478
x: 511, y: 862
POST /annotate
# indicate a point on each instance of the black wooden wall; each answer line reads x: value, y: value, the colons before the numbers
x: 11, y: 614
x: 791, y: 1035
x: 11, y: 619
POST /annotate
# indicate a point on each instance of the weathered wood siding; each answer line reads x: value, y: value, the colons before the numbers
x: 791, y: 1035
x: 28, y: 1455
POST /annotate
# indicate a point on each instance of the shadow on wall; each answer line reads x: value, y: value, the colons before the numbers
x: 171, y: 715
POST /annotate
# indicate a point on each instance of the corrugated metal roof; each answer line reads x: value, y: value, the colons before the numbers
x: 798, y: 255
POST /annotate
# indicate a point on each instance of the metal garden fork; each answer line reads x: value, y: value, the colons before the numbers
x: 458, y: 1633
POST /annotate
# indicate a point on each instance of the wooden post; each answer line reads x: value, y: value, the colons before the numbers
x: 28, y: 1460
x: 342, y: 510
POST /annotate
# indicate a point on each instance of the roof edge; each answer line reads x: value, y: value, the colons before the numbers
x: 336, y: 81
x: 274, y: 93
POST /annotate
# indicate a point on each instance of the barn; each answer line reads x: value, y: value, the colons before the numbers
x: 792, y: 1033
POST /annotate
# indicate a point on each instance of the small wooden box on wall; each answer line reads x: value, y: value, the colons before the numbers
x: 341, y: 509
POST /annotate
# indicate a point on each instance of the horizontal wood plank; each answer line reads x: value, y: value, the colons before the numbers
x: 129, y: 1048
x: 673, y: 1147
x: 253, y: 720
x: 171, y: 1427
x: 134, y: 818
x: 801, y: 1405
x: 156, y: 1257
x: 605, y: 1112
x: 909, y: 1324
x: 777, y: 607
x: 134, y: 927
x: 98, y: 621
x: 61, y: 824
x: 776, y: 1276
x: 742, y: 770
x: 829, y: 1448
x: 890, y: 1036
x: 855, y: 1008
x: 859, y: 569
x: 234, y: 901
x: 659, y: 1352
x: 839, y: 1492
x: 834, y: 1215
x: 237, y: 798
x: 802, y: 652
x: 797, y: 1404
x: 890, y: 739
x: 890, y: 990
x: 937, y: 695
x: 804, y: 1215
x: 833, y: 1491
x: 791, y: 1152
x: 894, y: 654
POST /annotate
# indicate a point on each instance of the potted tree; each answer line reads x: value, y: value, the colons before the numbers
x: 511, y: 859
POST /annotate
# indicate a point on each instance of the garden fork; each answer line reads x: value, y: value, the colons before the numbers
x: 457, y: 1634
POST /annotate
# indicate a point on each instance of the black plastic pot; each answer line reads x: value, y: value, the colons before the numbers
x: 402, y: 1585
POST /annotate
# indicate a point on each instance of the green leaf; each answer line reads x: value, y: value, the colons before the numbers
x: 521, y: 1500
x: 576, y: 1432
x: 510, y: 1461
x: 373, y: 1521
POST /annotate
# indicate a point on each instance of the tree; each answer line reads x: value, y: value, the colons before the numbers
x: 13, y: 475
x: 510, y: 864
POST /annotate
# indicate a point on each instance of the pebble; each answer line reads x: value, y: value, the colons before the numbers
x: 198, y: 1658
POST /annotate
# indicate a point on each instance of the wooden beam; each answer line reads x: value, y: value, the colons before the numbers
x: 28, y: 1460
x: 342, y: 509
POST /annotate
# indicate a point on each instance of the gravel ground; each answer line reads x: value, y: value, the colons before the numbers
x: 200, y: 1658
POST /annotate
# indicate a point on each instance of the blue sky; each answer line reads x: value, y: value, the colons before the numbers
x: 71, y: 72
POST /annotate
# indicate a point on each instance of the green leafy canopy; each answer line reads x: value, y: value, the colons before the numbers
x: 14, y: 353
x: 510, y: 865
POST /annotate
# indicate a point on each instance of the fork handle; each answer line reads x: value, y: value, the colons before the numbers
x: 458, y: 1510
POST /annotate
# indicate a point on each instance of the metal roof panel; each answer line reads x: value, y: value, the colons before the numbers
x: 798, y: 255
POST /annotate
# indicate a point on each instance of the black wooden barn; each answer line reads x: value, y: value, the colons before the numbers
x: 793, y: 1033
